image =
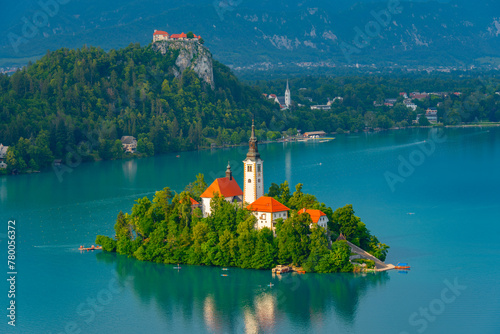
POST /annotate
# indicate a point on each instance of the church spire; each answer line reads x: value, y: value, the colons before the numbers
x: 229, y: 174
x: 288, y: 99
x: 253, y: 151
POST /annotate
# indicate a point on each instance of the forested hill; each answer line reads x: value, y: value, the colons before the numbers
x: 73, y: 99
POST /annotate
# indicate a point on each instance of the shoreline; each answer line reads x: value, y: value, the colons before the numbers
x: 289, y: 140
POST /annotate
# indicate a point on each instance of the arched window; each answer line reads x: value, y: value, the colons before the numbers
x: 249, y: 181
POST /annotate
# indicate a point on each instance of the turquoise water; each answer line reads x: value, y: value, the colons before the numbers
x: 451, y: 238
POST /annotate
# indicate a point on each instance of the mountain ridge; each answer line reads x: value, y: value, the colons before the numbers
x: 453, y: 33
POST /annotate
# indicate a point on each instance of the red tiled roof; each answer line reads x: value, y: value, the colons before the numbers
x: 315, y: 214
x: 159, y: 32
x: 224, y: 186
x: 267, y: 204
x: 193, y: 201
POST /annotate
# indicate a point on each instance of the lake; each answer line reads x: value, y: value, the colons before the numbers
x: 431, y: 195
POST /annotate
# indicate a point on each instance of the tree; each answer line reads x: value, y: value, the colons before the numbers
x: 319, y: 247
x: 265, y: 251
x: 117, y: 149
x: 108, y: 244
x: 122, y: 227
x: 145, y: 146
x: 300, y: 200
x: 423, y: 121
x: 190, y: 35
x: 336, y: 260
x: 197, y: 187
x: 246, y: 242
x: 344, y: 221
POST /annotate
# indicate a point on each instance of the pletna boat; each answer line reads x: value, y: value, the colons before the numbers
x: 402, y: 265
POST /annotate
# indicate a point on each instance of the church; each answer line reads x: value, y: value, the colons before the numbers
x: 266, y: 209
x: 284, y: 101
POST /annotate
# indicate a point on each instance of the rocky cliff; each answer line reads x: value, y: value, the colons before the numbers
x: 192, y: 55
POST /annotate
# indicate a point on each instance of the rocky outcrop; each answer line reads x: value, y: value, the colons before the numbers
x: 192, y: 55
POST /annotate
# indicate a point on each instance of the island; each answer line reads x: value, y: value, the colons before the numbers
x: 223, y: 225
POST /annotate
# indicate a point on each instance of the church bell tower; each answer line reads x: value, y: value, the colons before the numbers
x: 253, y: 181
x: 288, y: 98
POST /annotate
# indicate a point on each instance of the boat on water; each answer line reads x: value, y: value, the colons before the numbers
x: 402, y: 265
x: 224, y: 275
x: 225, y: 269
x: 82, y: 248
x: 281, y: 269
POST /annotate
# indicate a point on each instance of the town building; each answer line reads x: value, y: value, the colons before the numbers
x: 284, y: 101
x: 223, y: 186
x: 317, y: 216
x: 129, y: 144
x: 321, y: 107
x: 314, y: 134
x: 159, y: 35
x: 410, y: 105
x: 253, y: 171
x: 390, y: 102
x: 3, y: 155
x: 267, y: 210
x: 431, y: 114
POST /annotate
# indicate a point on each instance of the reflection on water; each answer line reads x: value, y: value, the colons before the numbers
x: 243, y: 301
x: 130, y: 169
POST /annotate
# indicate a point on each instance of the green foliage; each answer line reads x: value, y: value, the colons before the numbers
x: 344, y: 221
x: 168, y: 230
x: 79, y: 103
x: 108, y: 244
x: 197, y: 187
x: 336, y: 260
x: 423, y: 121
x: 370, y: 264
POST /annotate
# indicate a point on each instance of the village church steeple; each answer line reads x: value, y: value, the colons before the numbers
x: 253, y: 181
x: 288, y: 98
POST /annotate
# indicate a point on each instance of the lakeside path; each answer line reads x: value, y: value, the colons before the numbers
x: 379, y: 265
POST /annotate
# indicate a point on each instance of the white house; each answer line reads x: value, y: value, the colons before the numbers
x: 317, y: 217
x: 224, y: 186
x: 410, y: 105
x: 431, y: 114
x: 267, y: 210
x: 129, y: 144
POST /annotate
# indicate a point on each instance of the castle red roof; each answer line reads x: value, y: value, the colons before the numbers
x: 315, y: 214
x: 224, y: 186
x: 267, y: 204
x: 159, y: 32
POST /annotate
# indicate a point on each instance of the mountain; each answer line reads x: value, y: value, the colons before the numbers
x: 245, y: 34
x: 76, y: 104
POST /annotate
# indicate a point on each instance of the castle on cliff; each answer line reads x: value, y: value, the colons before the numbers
x: 159, y: 35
